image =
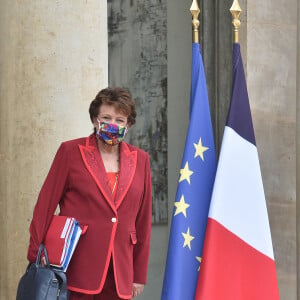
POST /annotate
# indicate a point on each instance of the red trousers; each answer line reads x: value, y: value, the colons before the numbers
x: 108, y: 293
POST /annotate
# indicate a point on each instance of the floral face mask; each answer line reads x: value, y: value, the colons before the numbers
x: 110, y: 133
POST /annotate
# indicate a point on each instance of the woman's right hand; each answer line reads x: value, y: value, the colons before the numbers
x: 43, y: 261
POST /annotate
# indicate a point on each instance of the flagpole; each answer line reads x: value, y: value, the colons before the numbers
x: 236, y: 23
x: 195, y: 10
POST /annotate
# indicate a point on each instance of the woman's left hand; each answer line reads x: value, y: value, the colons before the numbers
x: 137, y: 289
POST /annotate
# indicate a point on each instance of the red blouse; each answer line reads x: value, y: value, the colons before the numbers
x: 113, y: 181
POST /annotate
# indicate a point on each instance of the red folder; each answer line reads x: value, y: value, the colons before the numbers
x: 57, y: 237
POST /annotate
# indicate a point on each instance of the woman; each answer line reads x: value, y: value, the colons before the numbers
x: 105, y: 184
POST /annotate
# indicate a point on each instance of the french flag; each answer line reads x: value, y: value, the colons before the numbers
x: 238, y: 260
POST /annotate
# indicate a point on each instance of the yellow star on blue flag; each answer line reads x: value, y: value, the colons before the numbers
x: 181, y: 206
x: 200, y: 149
x: 186, y: 173
x: 199, y: 260
x: 187, y: 239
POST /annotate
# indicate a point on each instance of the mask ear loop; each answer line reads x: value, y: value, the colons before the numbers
x: 98, y: 131
x: 126, y: 130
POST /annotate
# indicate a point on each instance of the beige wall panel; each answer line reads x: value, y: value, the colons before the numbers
x: 271, y: 76
x: 53, y: 60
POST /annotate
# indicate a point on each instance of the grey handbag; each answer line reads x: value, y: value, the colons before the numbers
x: 42, y: 282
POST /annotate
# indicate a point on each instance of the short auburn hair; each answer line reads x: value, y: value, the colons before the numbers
x: 118, y: 97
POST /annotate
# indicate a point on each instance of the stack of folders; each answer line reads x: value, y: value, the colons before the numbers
x: 61, y: 240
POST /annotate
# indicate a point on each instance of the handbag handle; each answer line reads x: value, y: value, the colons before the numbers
x: 38, y: 258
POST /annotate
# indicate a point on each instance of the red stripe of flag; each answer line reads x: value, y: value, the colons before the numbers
x: 233, y: 270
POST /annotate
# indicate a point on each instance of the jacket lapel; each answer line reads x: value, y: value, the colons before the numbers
x: 128, y: 160
x: 94, y: 164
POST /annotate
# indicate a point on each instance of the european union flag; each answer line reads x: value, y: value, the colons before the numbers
x: 193, y: 195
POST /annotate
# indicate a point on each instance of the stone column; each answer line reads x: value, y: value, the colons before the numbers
x: 271, y: 70
x: 53, y: 60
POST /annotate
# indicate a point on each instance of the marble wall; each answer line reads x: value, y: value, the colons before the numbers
x: 53, y: 60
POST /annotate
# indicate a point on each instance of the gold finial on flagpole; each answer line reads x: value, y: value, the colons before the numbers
x: 195, y: 10
x: 235, y: 12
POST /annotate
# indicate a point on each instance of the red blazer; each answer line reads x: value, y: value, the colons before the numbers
x: 120, y: 228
